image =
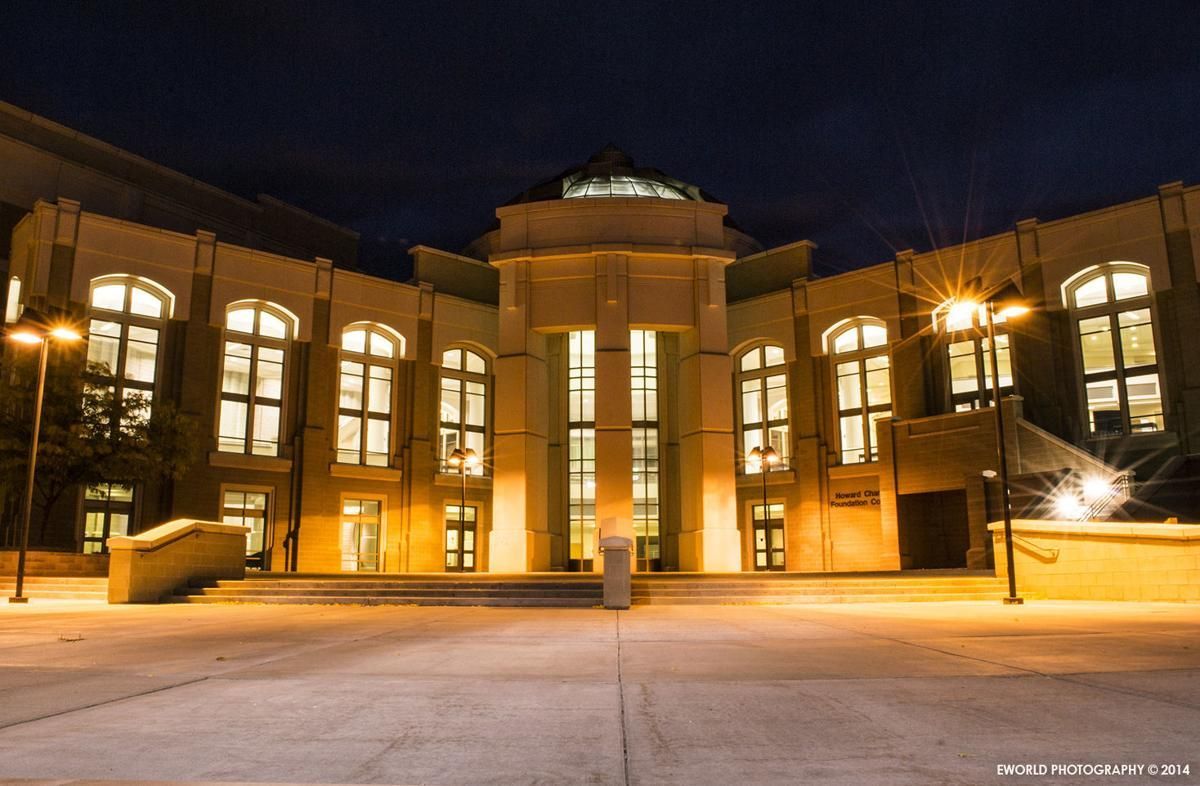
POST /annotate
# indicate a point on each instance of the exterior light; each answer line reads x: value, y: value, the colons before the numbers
x: 33, y: 328
x: 1069, y: 507
x: 1007, y: 302
x: 763, y: 459
x: 1095, y: 488
x: 25, y: 337
x: 463, y: 459
x: 63, y: 333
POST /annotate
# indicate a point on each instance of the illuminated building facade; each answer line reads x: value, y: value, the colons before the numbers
x: 614, y: 348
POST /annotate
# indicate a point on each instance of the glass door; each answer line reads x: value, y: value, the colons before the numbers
x: 769, y: 552
x: 106, y: 512
x: 460, y: 538
x: 361, y: 519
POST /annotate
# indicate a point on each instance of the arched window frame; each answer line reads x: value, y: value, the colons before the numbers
x: 761, y: 382
x: 464, y: 388
x: 263, y: 353
x: 127, y: 323
x: 368, y: 366
x: 963, y: 330
x: 1126, y: 319
x: 860, y: 365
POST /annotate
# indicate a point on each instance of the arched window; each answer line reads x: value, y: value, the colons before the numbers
x: 366, y: 373
x: 1112, y: 312
x: 862, y: 377
x: 763, y: 402
x: 463, y: 417
x: 257, y: 336
x: 124, y: 335
x: 12, y: 306
x: 964, y: 329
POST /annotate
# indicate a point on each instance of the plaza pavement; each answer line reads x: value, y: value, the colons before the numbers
x: 852, y: 694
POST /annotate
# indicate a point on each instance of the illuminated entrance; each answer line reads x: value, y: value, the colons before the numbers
x: 769, y: 553
x: 460, y: 538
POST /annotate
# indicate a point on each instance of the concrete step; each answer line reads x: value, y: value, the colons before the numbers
x: 375, y: 586
x: 384, y: 592
x: 784, y: 600
x: 57, y: 587
x: 399, y: 600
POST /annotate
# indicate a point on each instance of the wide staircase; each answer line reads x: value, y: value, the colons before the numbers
x: 790, y: 588
x: 413, y: 589
x: 56, y: 575
x: 585, y: 590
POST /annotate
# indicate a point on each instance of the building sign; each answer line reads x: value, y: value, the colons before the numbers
x: 854, y: 519
x: 856, y: 498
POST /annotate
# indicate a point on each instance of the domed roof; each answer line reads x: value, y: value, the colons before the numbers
x: 611, y: 173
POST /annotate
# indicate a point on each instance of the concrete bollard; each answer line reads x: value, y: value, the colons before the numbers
x: 618, y: 569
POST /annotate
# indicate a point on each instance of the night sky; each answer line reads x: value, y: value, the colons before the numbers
x: 865, y: 127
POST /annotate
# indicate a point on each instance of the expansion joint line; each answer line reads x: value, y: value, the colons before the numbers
x: 621, y: 696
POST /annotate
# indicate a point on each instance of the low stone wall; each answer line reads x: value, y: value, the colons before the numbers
x: 145, y: 567
x: 1076, y: 560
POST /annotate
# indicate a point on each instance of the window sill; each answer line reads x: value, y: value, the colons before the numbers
x: 455, y: 480
x: 218, y: 458
x: 778, y: 477
x: 861, y: 469
x: 364, y: 472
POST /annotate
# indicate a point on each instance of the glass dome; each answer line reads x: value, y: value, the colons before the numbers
x: 612, y: 185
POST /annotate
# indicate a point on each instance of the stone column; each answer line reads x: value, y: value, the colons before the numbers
x: 708, y: 540
x: 520, y: 540
x: 614, y: 425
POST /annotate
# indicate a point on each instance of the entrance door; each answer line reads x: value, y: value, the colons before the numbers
x: 106, y: 512
x: 769, y: 552
x: 460, y: 538
x: 360, y: 534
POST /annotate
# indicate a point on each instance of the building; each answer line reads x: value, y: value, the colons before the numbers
x: 614, y: 349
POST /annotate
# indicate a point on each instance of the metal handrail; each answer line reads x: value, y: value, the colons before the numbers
x: 1120, y: 487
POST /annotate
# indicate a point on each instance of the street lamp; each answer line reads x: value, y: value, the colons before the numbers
x: 1008, y: 304
x: 463, y: 460
x: 764, y: 459
x: 33, y: 328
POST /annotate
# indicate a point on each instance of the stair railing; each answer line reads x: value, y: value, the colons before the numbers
x: 1120, y: 487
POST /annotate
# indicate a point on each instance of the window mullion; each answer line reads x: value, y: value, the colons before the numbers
x: 1114, y: 326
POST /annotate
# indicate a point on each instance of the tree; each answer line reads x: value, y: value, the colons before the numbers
x: 89, y: 435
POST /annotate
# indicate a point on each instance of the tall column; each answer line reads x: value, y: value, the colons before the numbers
x: 520, y: 540
x: 708, y: 540
x: 614, y: 415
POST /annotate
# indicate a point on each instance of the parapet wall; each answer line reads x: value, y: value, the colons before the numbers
x: 1076, y: 560
x: 145, y: 567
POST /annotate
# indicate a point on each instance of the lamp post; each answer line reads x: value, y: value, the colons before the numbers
x: 764, y: 459
x: 33, y: 329
x: 1010, y: 306
x: 462, y: 460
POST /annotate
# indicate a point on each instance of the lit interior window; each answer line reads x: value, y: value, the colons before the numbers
x: 620, y: 186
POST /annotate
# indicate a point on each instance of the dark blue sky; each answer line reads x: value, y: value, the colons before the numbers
x: 866, y: 127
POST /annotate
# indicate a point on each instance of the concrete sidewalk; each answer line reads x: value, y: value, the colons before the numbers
x: 872, y: 693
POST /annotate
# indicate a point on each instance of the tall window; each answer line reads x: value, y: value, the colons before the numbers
x: 124, y: 334
x: 12, y: 306
x: 581, y: 436
x: 464, y: 406
x: 864, y: 388
x: 763, y: 402
x: 1112, y: 314
x: 367, y: 369
x: 964, y: 329
x: 643, y: 366
x: 256, y: 344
